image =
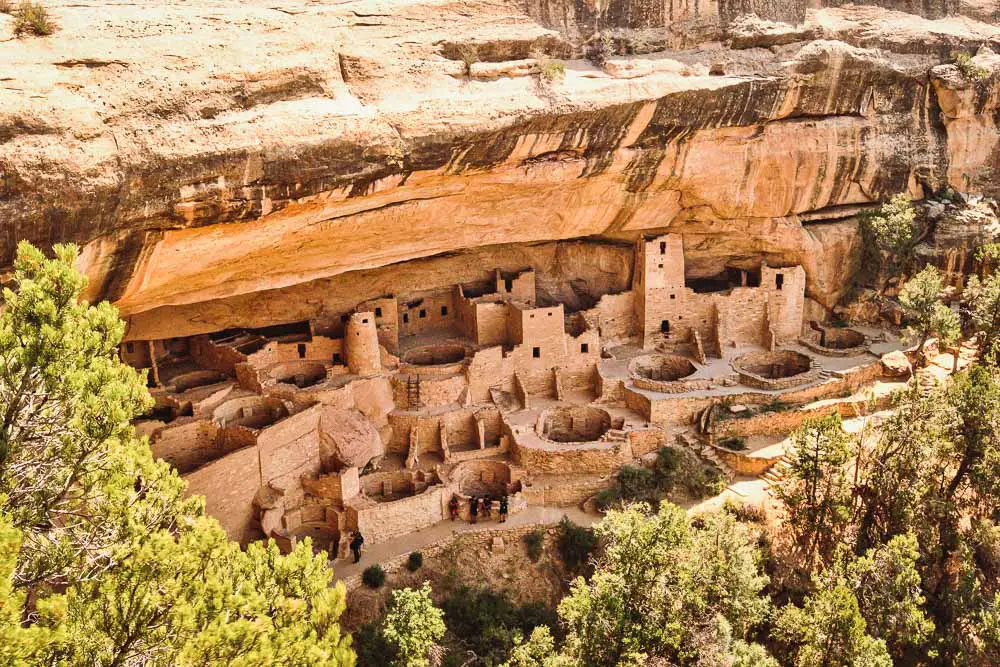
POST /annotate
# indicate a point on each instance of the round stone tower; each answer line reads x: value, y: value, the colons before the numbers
x: 361, y: 345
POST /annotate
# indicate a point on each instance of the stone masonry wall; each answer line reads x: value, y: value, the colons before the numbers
x: 383, y: 521
x: 229, y: 486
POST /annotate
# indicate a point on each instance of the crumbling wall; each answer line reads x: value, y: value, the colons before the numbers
x: 187, y: 446
x: 217, y: 357
x: 491, y: 323
x: 613, y: 317
x: 428, y: 312
x: 386, y: 312
x: 229, y: 486
x: 320, y: 349
x: 484, y: 371
x: 588, y: 459
x: 742, y: 316
x: 289, y: 450
x: 383, y: 521
x: 785, y: 288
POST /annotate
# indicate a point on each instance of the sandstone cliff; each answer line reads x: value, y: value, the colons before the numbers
x: 209, y: 155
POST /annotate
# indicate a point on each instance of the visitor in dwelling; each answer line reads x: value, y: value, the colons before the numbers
x: 453, y: 506
x: 473, y: 508
x: 487, y: 507
x: 356, y: 544
x: 504, y: 507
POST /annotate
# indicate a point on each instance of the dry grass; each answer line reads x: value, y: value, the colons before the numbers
x: 32, y: 18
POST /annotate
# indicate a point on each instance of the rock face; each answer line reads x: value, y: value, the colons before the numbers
x: 244, y: 164
x: 347, y: 439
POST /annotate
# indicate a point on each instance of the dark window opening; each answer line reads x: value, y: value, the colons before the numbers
x: 584, y: 348
x: 673, y: 296
x: 536, y: 352
x: 336, y: 358
x: 663, y: 247
x: 302, y: 350
x: 779, y: 280
x: 364, y: 321
x: 422, y: 314
x: 444, y: 310
x: 665, y: 326
x: 129, y: 348
x: 659, y: 266
x: 508, y: 284
x: 550, y: 313
x: 378, y: 312
x: 406, y: 318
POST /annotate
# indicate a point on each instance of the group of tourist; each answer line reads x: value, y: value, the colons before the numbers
x: 477, y: 504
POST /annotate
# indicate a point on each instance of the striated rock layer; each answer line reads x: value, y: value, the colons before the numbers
x: 251, y: 163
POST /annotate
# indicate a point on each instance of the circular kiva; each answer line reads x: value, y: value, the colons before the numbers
x: 574, y: 424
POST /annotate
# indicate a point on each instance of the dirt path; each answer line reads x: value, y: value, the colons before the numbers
x: 421, y: 539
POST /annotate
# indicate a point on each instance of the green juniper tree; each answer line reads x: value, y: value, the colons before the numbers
x: 664, y: 591
x: 888, y: 238
x: 927, y: 314
x: 413, y: 625
x: 817, y: 491
x: 829, y: 631
x: 143, y: 577
x: 982, y: 297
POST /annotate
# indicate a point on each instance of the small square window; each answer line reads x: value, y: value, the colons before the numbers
x: 584, y: 348
x: 536, y: 352
x: 378, y: 312
x: 444, y: 310
x: 422, y: 314
x: 130, y: 348
x: 659, y: 266
x: 364, y: 321
x: 550, y: 313
x: 673, y: 296
x: 406, y: 318
x: 532, y: 316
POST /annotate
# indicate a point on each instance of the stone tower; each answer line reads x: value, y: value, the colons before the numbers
x: 361, y: 345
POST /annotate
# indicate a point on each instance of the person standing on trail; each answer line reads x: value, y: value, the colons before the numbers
x: 504, y: 507
x: 356, y: 544
x: 487, y: 508
x: 473, y: 508
x: 453, y: 506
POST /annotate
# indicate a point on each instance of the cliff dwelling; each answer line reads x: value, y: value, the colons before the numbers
x: 373, y: 419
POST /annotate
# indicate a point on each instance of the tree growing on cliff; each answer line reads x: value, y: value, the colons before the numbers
x: 982, y: 298
x: 664, y: 591
x: 888, y: 237
x: 84, y: 509
x: 927, y: 315
x: 829, y: 631
x: 413, y: 625
x: 816, y: 491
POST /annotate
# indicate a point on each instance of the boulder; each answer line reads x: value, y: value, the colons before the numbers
x: 346, y: 439
x: 896, y: 365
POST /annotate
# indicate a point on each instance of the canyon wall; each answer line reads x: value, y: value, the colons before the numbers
x: 243, y: 164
